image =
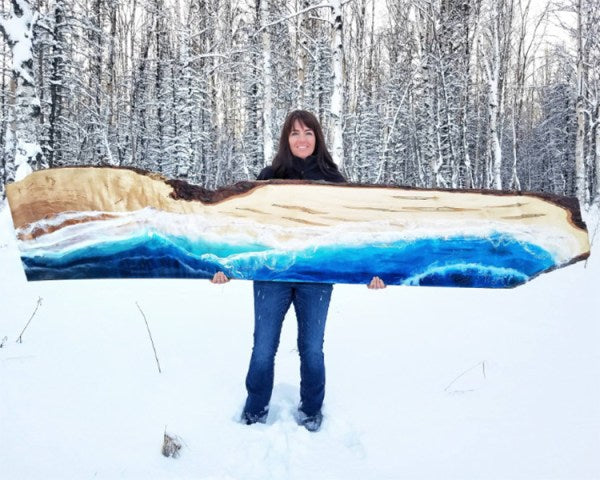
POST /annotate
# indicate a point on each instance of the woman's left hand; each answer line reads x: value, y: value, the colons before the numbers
x: 219, y: 278
x: 376, y: 283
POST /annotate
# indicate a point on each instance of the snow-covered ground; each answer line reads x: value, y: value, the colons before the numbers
x: 423, y: 383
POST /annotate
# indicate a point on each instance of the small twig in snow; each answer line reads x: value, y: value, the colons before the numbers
x: 467, y: 371
x: 3, y: 342
x: 39, y: 302
x: 150, y: 335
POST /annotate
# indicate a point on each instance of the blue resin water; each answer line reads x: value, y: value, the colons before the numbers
x: 496, y: 261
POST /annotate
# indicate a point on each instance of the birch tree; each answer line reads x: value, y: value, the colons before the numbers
x: 402, y: 159
x: 60, y: 56
x: 552, y: 166
x: 494, y: 47
x: 337, y: 80
x: 526, y: 43
x: 22, y: 145
x: 4, y: 106
x: 267, y: 84
x: 580, y: 186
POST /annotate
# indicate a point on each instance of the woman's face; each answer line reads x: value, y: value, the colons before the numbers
x: 302, y: 140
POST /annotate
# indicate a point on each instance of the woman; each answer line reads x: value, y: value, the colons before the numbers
x: 302, y: 154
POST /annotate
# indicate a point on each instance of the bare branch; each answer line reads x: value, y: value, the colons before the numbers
x: 150, y: 335
x: 295, y: 14
x: 480, y: 364
x: 39, y: 303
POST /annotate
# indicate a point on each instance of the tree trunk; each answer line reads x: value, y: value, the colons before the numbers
x: 580, y: 190
x: 597, y: 144
x: 267, y: 74
x: 337, y: 96
x: 22, y: 145
x: 56, y: 88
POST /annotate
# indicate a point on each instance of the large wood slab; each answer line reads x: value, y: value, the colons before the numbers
x: 123, y: 223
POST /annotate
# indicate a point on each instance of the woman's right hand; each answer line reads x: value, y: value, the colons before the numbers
x: 376, y: 283
x: 219, y: 277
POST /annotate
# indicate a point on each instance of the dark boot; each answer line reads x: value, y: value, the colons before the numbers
x: 250, y: 418
x: 311, y: 422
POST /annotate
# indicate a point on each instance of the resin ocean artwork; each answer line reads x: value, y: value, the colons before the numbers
x: 86, y: 223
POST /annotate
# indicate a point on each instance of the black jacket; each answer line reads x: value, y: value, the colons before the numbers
x: 307, y: 169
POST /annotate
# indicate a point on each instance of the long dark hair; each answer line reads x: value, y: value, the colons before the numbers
x: 282, y: 163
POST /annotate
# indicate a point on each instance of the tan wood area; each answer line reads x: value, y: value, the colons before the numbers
x: 46, y: 193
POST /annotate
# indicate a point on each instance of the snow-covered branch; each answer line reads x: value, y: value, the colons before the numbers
x: 300, y: 12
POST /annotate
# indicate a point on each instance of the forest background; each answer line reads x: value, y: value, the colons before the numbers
x: 501, y: 94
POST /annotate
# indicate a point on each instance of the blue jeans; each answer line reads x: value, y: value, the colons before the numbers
x: 271, y: 302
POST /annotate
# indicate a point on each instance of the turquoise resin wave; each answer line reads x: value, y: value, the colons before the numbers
x: 495, y: 261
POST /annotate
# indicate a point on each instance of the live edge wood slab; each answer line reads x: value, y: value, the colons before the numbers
x: 104, y: 222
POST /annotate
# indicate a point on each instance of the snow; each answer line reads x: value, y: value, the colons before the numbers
x: 18, y: 31
x: 423, y: 383
x: 25, y: 151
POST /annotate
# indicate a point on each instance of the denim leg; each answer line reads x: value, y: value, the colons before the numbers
x: 271, y: 302
x: 311, y: 302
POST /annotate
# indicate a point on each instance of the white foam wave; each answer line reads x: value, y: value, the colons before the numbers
x: 234, y: 231
x: 482, y: 270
